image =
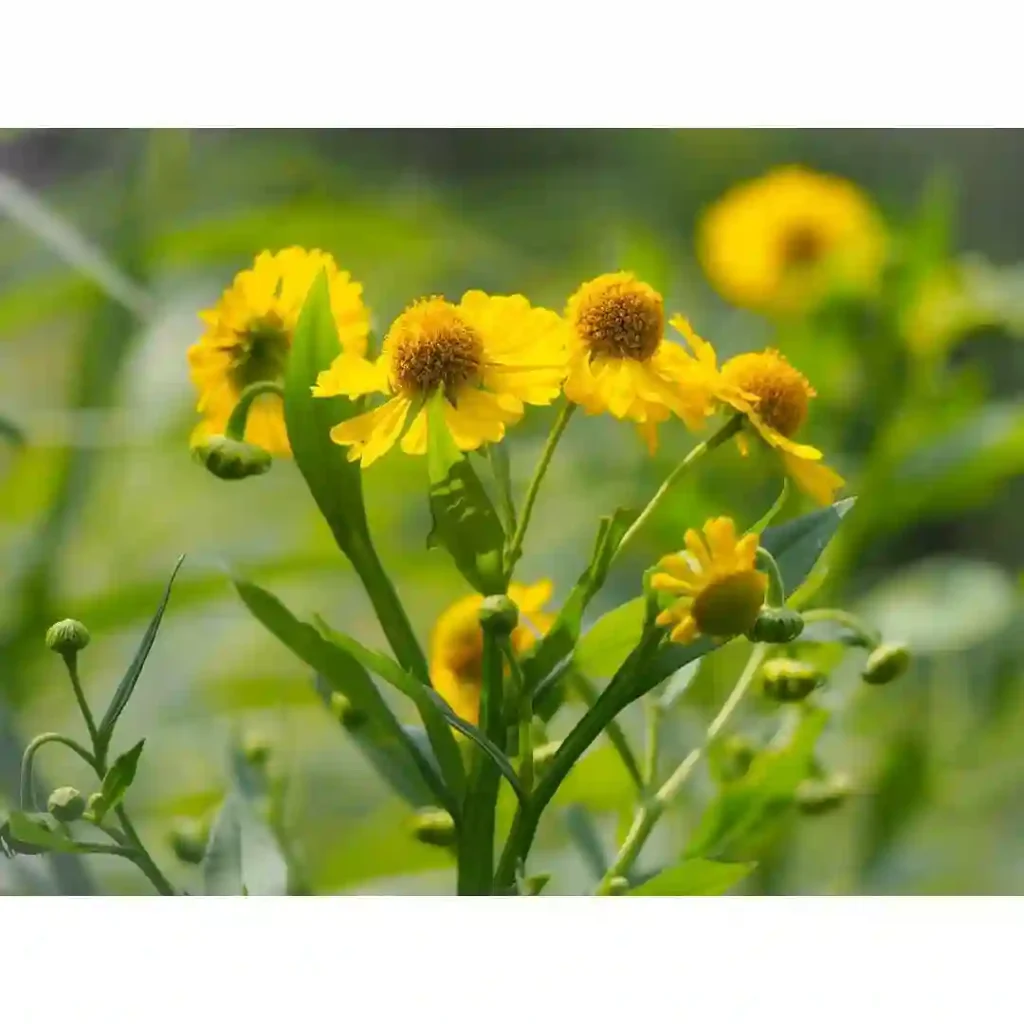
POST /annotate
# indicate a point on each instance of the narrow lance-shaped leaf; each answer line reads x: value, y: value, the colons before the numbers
x: 694, y: 877
x: 464, y: 518
x: 127, y: 685
x: 346, y: 676
x: 119, y: 777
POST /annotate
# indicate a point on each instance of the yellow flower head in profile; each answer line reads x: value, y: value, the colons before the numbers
x: 457, y: 644
x: 488, y: 355
x: 620, y: 362
x: 778, y: 242
x: 775, y: 398
x: 249, y: 335
x: 719, y: 591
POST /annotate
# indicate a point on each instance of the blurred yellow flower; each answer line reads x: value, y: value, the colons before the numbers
x: 249, y: 334
x: 457, y: 644
x: 778, y: 242
x: 489, y: 355
x: 775, y: 398
x: 620, y: 362
x: 720, y: 593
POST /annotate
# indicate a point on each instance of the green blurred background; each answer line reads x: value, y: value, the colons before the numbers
x: 110, y: 241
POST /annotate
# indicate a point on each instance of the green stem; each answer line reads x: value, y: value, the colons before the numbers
x: 871, y: 637
x: 29, y: 756
x: 649, y: 815
x: 765, y: 561
x: 475, y: 854
x: 720, y: 436
x: 141, y: 857
x: 515, y: 548
x: 387, y: 604
x: 71, y: 661
x: 235, y: 428
x: 652, y: 722
x: 523, y: 713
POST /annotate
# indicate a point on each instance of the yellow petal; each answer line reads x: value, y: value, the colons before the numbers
x: 721, y: 538
x: 351, y: 376
x: 478, y: 416
x: 696, y: 546
x: 373, y: 433
x: 414, y: 441
x: 685, y: 631
x: 673, y: 584
x: 813, y: 478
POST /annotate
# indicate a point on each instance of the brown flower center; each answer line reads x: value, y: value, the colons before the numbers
x: 622, y: 322
x: 448, y: 358
x: 783, y: 392
x: 802, y: 246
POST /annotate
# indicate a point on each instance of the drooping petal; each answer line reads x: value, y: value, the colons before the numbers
x: 351, y: 376
x: 371, y: 434
x: 814, y: 478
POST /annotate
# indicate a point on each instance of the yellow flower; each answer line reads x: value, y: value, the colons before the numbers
x: 720, y: 592
x: 778, y: 242
x: 775, y: 398
x: 620, y: 362
x: 457, y: 644
x: 249, y: 334
x: 489, y: 355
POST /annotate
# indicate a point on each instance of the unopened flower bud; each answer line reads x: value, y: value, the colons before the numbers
x: 67, y: 637
x: 499, y: 614
x: 66, y: 804
x: 777, y: 626
x: 229, y: 459
x: 542, y: 755
x: 886, y: 663
x: 256, y: 750
x: 188, y: 841
x: 618, y: 885
x: 346, y: 712
x: 734, y: 758
x: 819, y: 796
x: 434, y: 826
x: 788, y: 680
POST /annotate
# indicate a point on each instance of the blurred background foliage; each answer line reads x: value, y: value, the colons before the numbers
x: 110, y: 241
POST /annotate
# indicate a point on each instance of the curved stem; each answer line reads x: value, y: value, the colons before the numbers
x: 765, y: 561
x: 651, y: 812
x: 870, y: 637
x: 515, y: 548
x: 235, y: 428
x: 30, y: 752
x: 698, y: 451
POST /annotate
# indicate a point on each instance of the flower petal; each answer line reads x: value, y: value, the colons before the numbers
x: 373, y: 433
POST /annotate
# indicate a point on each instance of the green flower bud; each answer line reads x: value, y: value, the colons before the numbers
x: 542, y: 755
x: 346, y: 712
x: 67, y: 637
x: 228, y: 459
x: 787, y: 680
x: 188, y: 841
x: 733, y: 758
x: 819, y: 796
x: 434, y: 826
x: 256, y: 750
x: 499, y: 614
x: 618, y: 885
x: 886, y: 663
x: 776, y: 626
x: 66, y: 804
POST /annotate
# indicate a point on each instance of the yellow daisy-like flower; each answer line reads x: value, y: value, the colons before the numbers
x: 620, y: 362
x: 488, y: 354
x: 457, y: 644
x: 249, y: 334
x: 777, y: 242
x: 775, y: 398
x: 720, y: 593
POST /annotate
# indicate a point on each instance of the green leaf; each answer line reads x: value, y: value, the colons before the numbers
x: 558, y: 643
x: 119, y: 777
x: 127, y: 685
x: 444, y: 746
x: 585, y: 838
x: 464, y: 520
x: 222, y: 862
x: 502, y: 469
x: 31, y: 830
x: 607, y: 643
x: 798, y: 544
x: 696, y: 877
x: 345, y: 675
x: 747, y: 809
x: 583, y: 686
x: 335, y: 483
